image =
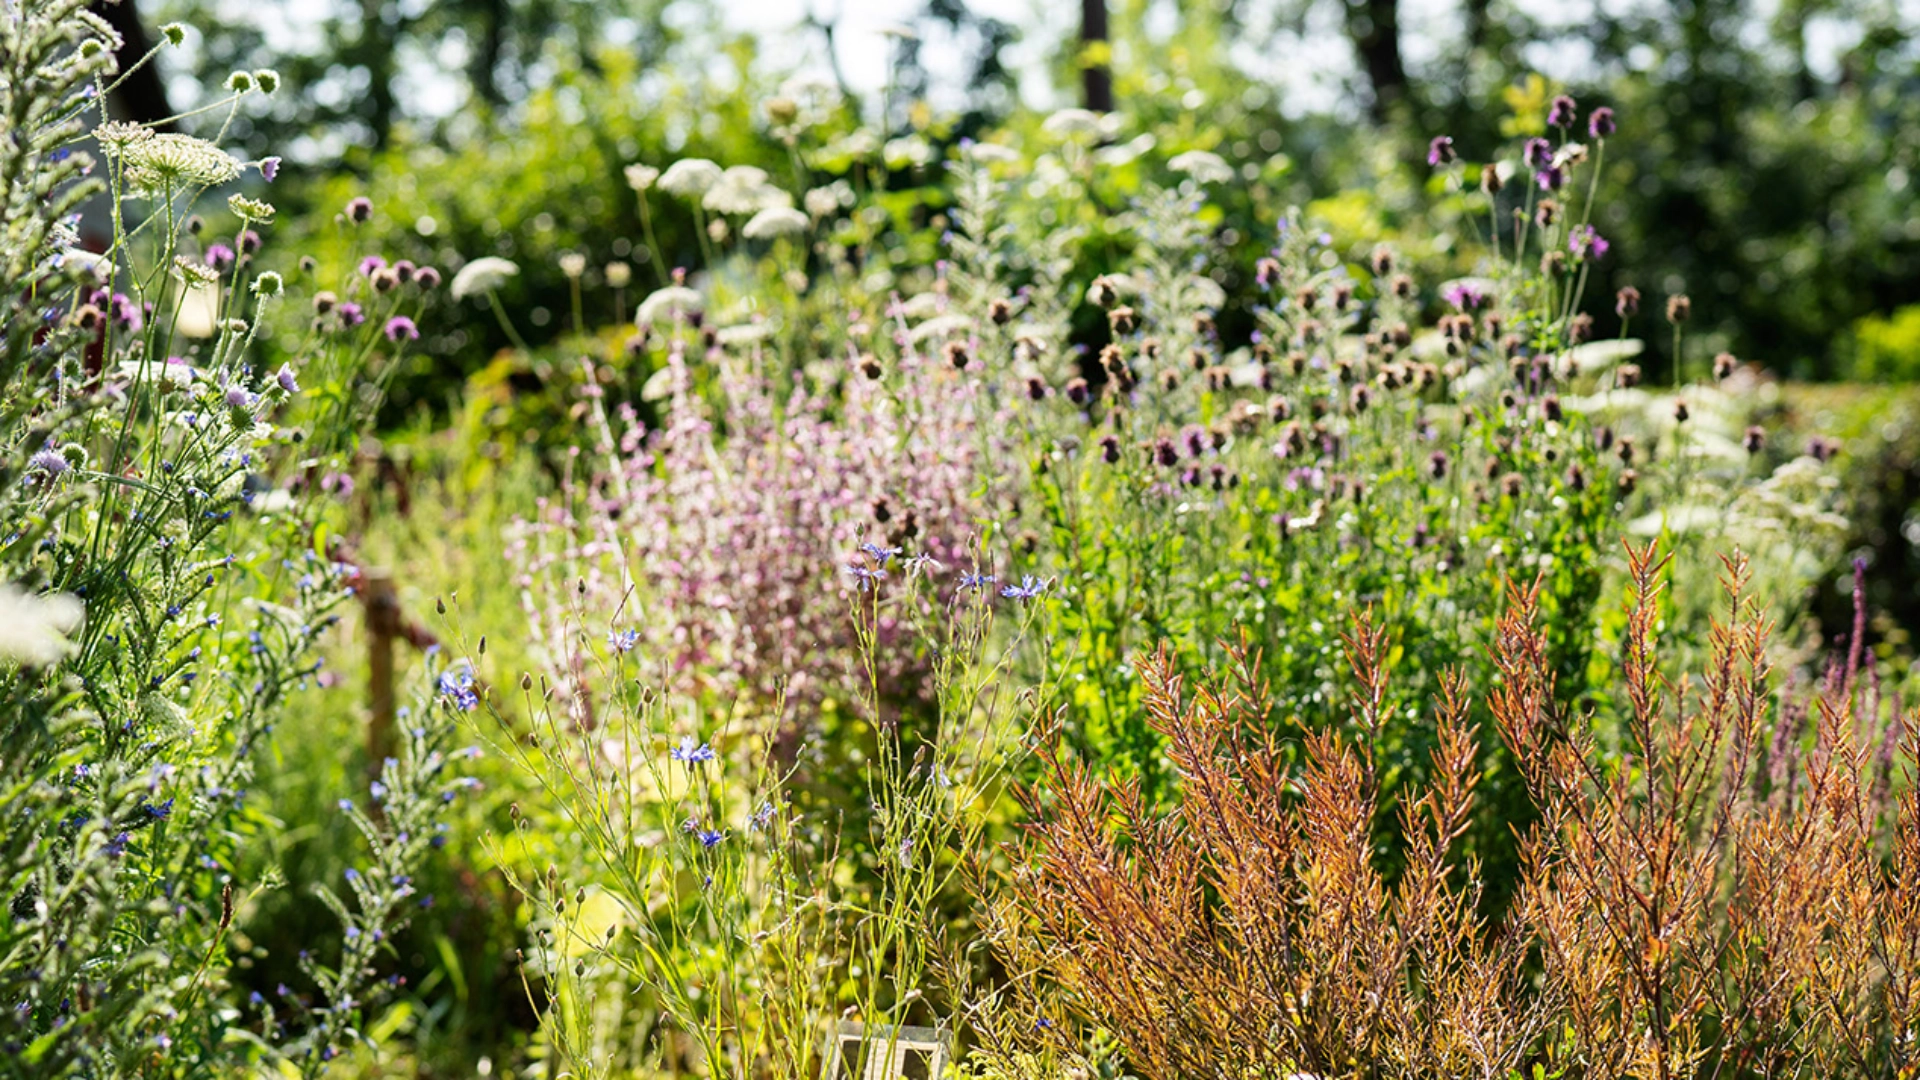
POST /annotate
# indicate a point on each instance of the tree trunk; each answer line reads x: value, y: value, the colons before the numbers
x: 1097, y: 78
x: 1374, y: 26
x: 143, y: 97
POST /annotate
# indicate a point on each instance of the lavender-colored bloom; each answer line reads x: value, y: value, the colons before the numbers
x: 240, y: 398
x: 1538, y: 153
x: 219, y: 256
x: 402, y: 327
x: 350, y: 315
x: 879, y: 555
x: 976, y: 580
x: 49, y: 461
x: 270, y: 168
x: 371, y: 265
x: 623, y: 641
x: 1562, y: 112
x: 1440, y: 151
x: 285, y: 377
x: 1551, y: 178
x: 1585, y: 241
x: 1600, y: 122
x: 691, y: 753
x: 427, y: 277
x: 762, y: 817
x: 1030, y: 588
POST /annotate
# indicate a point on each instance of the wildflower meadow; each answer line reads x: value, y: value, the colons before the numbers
x: 681, y: 539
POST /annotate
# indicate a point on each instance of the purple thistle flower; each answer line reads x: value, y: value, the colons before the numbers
x: 350, y: 315
x: 1600, y: 123
x: 219, y: 256
x: 1440, y: 151
x: 1562, y: 112
x: 402, y: 327
x: 1030, y: 588
x: 1464, y: 296
x: 1538, y: 153
x: 427, y: 277
x: 691, y: 753
x: 371, y: 265
x: 1551, y: 177
x: 1585, y: 241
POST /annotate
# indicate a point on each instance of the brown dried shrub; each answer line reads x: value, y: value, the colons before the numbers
x: 1708, y: 892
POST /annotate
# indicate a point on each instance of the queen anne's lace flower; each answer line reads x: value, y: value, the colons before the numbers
x: 34, y: 629
x: 672, y: 300
x: 482, y: 275
x: 170, y: 161
x: 690, y: 178
x: 1204, y: 166
x: 744, y: 189
x: 774, y: 222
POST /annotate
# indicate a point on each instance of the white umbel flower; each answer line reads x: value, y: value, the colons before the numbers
x: 172, y: 162
x: 672, y: 300
x: 482, y: 275
x: 775, y: 222
x: 34, y: 629
x: 744, y: 189
x: 690, y: 178
x: 1204, y: 166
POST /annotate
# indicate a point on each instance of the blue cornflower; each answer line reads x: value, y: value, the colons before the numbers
x: 623, y: 641
x: 711, y: 837
x: 974, y: 579
x: 457, y: 687
x: 692, y: 753
x: 763, y: 816
x: 879, y: 555
x: 159, y: 811
x: 1030, y: 587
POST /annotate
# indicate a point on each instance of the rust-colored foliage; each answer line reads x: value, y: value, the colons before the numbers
x: 1708, y: 892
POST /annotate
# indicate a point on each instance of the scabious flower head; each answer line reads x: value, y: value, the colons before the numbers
x: 1440, y: 151
x: 427, y: 278
x: 286, y: 380
x: 351, y: 315
x: 1551, y: 178
x: 1679, y: 308
x: 1626, y: 302
x: 371, y: 265
x: 1600, y: 122
x: 401, y: 327
x: 218, y: 256
x: 1538, y: 153
x: 359, y: 209
x: 1562, y: 112
x: 240, y: 398
x: 269, y: 168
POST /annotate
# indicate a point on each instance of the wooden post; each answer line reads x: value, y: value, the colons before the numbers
x: 383, y: 625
